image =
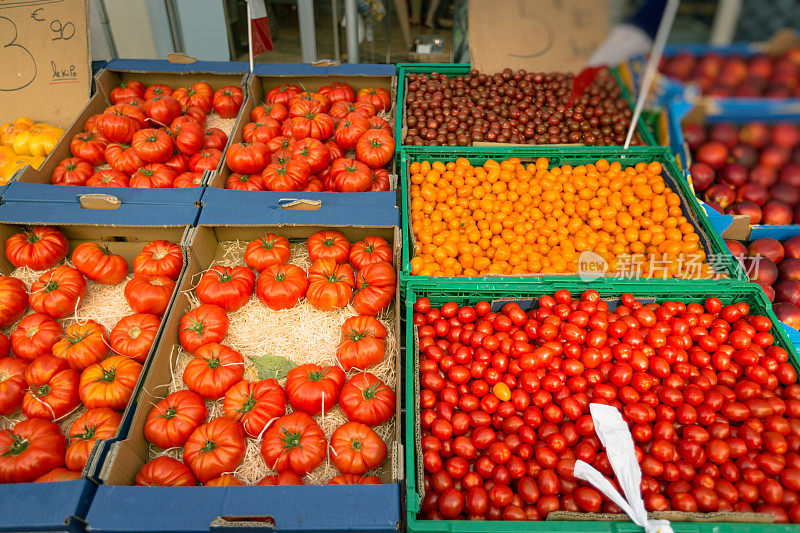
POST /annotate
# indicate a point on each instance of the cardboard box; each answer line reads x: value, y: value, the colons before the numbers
x: 35, y: 184
x: 62, y: 506
x: 309, y: 77
x: 118, y: 506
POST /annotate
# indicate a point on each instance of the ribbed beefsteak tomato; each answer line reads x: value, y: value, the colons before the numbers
x: 82, y: 345
x: 362, y: 344
x: 173, y: 419
x: 254, y: 404
x: 356, y: 448
x: 58, y: 292
x: 287, y: 477
x: 165, y: 471
x: 13, y: 300
x: 267, y: 250
x: 96, y: 262
x: 313, y: 388
x: 35, y: 335
x: 375, y: 285
x: 281, y: 286
x: 40, y: 248
x: 214, y: 369
x: 159, y: 258
x: 109, y: 383
x: 372, y: 249
x: 227, y: 101
x: 149, y: 294
x: 134, y: 334
x: 328, y: 244
x: 367, y: 399
x: 202, y: 325
x: 294, y: 442
x: 354, y: 479
x: 52, y: 389
x: 227, y: 287
x: 95, y: 424
x: 330, y: 285
x: 72, y: 171
x: 29, y: 450
x: 12, y: 384
x: 215, y: 448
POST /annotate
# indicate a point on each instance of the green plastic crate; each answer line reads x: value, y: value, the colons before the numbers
x: 712, y: 242
x: 521, y: 290
x: 461, y: 69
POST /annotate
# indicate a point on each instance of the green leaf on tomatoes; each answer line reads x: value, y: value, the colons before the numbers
x: 272, y: 366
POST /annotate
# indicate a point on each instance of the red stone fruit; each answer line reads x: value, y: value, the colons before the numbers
x: 773, y: 156
x: 694, y: 135
x: 790, y: 174
x: 787, y: 313
x: 753, y: 192
x: 761, y: 269
x: 797, y: 214
x: 787, y: 290
x: 785, y: 134
x: 702, y: 176
x: 756, y: 134
x: 785, y: 193
x: 745, y: 155
x: 776, y: 213
x: 714, y: 154
x: 768, y: 290
x: 789, y: 268
x: 767, y: 247
x: 762, y: 175
x: 733, y: 174
x: 725, y: 133
x: 716, y: 207
x: 721, y: 194
x: 680, y: 66
x: 736, y: 248
x: 746, y: 208
x: 791, y: 247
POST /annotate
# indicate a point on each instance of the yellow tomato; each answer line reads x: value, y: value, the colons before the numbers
x: 38, y: 140
x: 502, y: 391
x: 7, y: 131
x: 16, y: 163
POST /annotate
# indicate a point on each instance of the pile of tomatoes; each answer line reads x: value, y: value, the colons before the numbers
x: 330, y: 140
x: 711, y: 401
x: 151, y: 137
x: 292, y: 444
x: 48, y: 372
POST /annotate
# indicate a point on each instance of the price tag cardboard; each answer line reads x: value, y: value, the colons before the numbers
x: 535, y: 35
x: 45, y: 72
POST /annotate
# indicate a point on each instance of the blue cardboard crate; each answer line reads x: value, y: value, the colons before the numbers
x: 59, y: 506
x: 32, y: 184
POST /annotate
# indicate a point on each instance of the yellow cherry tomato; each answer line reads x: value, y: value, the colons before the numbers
x: 502, y: 391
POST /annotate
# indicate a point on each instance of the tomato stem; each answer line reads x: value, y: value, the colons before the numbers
x: 370, y: 392
x: 248, y: 405
x: 50, y: 286
x: 41, y: 390
x: 108, y: 376
x: 19, y: 445
x: 89, y: 431
x: 208, y: 446
x: 169, y: 413
x: 355, y: 444
x: 290, y: 440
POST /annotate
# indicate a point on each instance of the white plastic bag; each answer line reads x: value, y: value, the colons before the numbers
x: 613, y: 432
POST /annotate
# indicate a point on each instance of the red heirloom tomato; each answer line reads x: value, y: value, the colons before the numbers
x: 247, y: 158
x: 289, y: 176
x: 94, y: 424
x: 350, y: 175
x: 52, y: 389
x: 83, y: 344
x: 58, y: 474
x: 109, y: 383
x: 178, y: 162
x: 96, y: 262
x: 227, y: 101
x: 127, y: 90
x: 262, y: 131
x: 375, y: 284
x: 153, y: 176
x: 215, y: 448
x: 30, y: 449
x: 91, y: 124
x: 162, y: 109
x: 362, y: 344
x: 189, y: 135
x: 380, y: 98
x: 12, y: 384
x: 90, y: 147
x: 294, y: 442
x: 377, y: 123
x: 214, y: 369
x: 330, y: 285
x: 157, y: 89
x: 165, y: 471
x: 319, y: 102
x: 255, y: 404
x: 187, y: 180
x: 354, y: 479
x: 159, y: 258
x: 313, y: 388
x: 356, y: 448
x: 287, y: 477
x: 123, y: 158
x: 282, y: 94
x: 108, y: 177
x: 271, y: 110
x: 342, y: 109
x: 328, y: 244
x: 215, y: 138
x: 335, y: 150
x: 375, y: 148
x: 199, y: 95
x: 202, y: 325
x: 281, y: 286
x: 195, y: 114
x: 173, y: 419
x: 245, y: 182
x: 72, y: 171
x: 13, y: 300
x: 312, y: 124
x: 119, y: 122
x: 227, y: 287
x: 35, y: 335
x: 149, y: 294
x: 267, y: 250
x: 41, y: 248
x: 312, y: 152
x: 372, y: 249
x: 152, y: 145
x: 206, y: 159
x: 58, y: 292
x: 367, y: 399
x: 225, y: 480
x: 280, y: 143
x: 338, y: 92
x: 350, y: 129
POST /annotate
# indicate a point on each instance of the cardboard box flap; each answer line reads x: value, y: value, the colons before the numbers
x: 536, y: 35
x: 44, y: 506
x: 159, y: 65
x: 359, y: 507
x: 76, y: 213
x: 44, y: 60
x: 309, y: 69
x: 19, y: 191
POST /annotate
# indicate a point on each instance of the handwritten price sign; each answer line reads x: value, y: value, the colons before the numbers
x: 44, y: 59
